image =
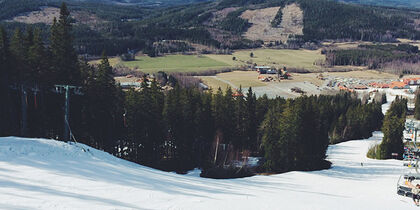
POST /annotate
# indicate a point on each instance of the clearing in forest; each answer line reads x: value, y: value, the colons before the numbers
x: 46, y: 15
x: 261, y: 29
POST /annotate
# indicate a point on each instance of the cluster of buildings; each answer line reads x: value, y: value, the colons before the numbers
x: 356, y: 84
x: 265, y: 71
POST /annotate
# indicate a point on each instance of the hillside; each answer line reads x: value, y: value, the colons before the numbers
x: 388, y: 3
x: 218, y: 25
x: 48, y: 174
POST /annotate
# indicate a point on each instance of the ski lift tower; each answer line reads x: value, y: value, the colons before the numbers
x: 412, y: 127
x: 60, y: 89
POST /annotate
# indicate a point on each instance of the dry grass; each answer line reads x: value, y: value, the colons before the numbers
x: 213, y: 83
x: 280, y: 58
x: 412, y: 42
x: 242, y: 78
x: 261, y: 29
x: 184, y: 63
x: 112, y: 61
x: 47, y: 14
x: 310, y: 77
x: 235, y: 80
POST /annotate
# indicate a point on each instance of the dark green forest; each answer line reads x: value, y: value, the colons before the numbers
x: 139, y: 27
x: 373, y: 56
x: 173, y: 130
x: 387, y: 3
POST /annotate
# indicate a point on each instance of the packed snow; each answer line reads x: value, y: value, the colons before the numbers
x: 49, y: 174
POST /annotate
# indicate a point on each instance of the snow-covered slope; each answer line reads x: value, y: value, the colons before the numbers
x: 48, y: 174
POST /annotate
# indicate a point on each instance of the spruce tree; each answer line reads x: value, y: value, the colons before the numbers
x: 65, y: 62
x: 4, y: 56
x: 251, y: 121
x: 38, y: 59
x: 4, y: 82
x: 417, y: 106
x: 393, y: 127
x: 18, y: 51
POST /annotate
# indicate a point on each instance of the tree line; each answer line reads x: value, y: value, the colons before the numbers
x: 393, y: 128
x: 373, y: 56
x: 173, y: 130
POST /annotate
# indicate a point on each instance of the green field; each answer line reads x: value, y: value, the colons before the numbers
x: 175, y: 63
x: 192, y: 63
x: 275, y: 58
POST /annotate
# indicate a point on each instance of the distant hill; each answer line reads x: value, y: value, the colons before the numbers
x: 217, y: 25
x: 388, y: 3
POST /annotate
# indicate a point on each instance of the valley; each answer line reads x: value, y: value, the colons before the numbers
x: 209, y: 104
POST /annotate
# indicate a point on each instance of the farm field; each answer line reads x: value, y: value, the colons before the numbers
x: 174, y: 63
x: 275, y: 58
x: 246, y: 79
x: 239, y: 78
x: 194, y: 63
x: 214, y: 83
x: 309, y: 82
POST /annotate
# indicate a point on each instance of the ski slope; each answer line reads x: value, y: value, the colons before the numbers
x: 49, y: 174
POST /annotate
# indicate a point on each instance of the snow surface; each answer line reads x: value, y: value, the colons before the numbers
x: 49, y: 174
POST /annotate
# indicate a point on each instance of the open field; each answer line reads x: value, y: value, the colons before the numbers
x: 354, y: 44
x: 214, y: 83
x: 275, y: 58
x: 46, y: 15
x: 233, y: 79
x: 193, y: 63
x: 308, y: 82
x: 174, y: 63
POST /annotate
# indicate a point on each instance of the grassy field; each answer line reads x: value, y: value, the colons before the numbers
x: 233, y: 79
x: 275, y: 58
x: 175, y: 63
x: 250, y: 78
x: 191, y: 63
x: 214, y: 83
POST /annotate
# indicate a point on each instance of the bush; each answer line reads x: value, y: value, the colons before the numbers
x: 373, y: 152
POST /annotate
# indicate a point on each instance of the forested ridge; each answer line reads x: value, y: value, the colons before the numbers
x: 374, y: 56
x: 173, y: 130
x: 138, y: 28
x: 388, y: 3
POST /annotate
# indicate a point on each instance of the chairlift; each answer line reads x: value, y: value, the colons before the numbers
x: 405, y: 182
x: 403, y: 188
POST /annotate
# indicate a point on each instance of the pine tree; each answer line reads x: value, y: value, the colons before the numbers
x: 270, y: 140
x: 4, y: 82
x: 4, y: 56
x: 102, y: 105
x: 240, y: 114
x: 417, y: 106
x: 66, y: 66
x: 393, y: 127
x: 228, y: 128
x: 251, y: 121
x: 38, y: 59
x: 18, y: 51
